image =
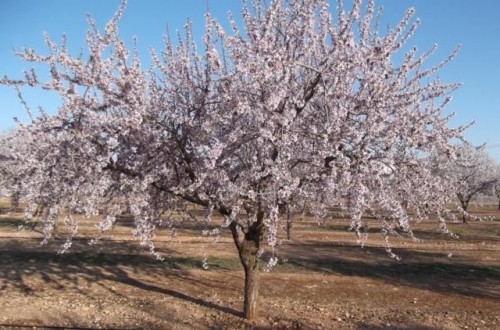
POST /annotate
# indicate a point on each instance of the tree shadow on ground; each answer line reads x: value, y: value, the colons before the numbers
x: 18, y: 326
x: 10, y: 223
x: 21, y: 260
x: 120, y: 261
x: 411, y: 326
x: 473, y: 232
x: 423, y: 270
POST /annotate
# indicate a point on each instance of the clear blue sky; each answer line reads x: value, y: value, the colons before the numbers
x: 474, y: 24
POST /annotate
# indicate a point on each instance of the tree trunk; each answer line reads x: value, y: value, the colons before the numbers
x: 252, y: 284
x: 465, y: 204
x: 499, y: 204
x: 289, y: 224
x: 248, y: 245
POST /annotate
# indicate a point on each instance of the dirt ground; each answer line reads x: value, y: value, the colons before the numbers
x: 324, y: 280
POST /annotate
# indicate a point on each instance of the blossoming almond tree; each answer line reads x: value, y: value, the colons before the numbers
x: 497, y: 194
x: 3, y: 159
x: 291, y: 105
x: 9, y: 174
x: 496, y: 186
x: 474, y: 172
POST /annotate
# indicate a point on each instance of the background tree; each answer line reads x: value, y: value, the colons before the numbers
x: 290, y: 105
x: 497, y: 194
x: 4, y: 155
x: 473, y: 172
x: 496, y: 186
x: 9, y: 169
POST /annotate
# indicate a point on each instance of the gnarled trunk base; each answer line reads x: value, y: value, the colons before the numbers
x: 252, y: 284
x: 248, y: 245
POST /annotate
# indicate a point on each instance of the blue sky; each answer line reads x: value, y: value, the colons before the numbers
x: 475, y: 25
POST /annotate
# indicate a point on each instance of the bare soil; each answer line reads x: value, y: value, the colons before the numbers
x: 324, y: 280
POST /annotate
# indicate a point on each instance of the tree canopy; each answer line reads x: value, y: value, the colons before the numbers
x: 290, y: 105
